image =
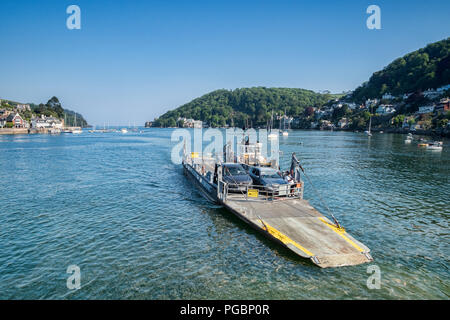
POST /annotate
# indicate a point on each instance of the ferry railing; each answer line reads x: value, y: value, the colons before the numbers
x: 260, y: 193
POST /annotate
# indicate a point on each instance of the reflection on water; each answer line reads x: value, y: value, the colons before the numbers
x: 117, y: 207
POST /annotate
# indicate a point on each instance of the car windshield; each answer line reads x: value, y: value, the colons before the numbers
x: 235, y: 171
x: 271, y: 174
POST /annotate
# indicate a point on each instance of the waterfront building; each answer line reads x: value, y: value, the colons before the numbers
x: 343, y: 123
x: 46, y: 123
x: 326, y: 125
x: 16, y: 120
x: 3, y: 121
x: 191, y: 123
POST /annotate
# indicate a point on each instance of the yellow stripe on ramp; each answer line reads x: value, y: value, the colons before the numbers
x: 341, y: 232
x: 284, y: 238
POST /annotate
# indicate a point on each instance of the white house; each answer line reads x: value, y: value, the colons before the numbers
x: 387, y: 96
x: 385, y: 109
x: 3, y: 120
x: 352, y: 105
x: 371, y: 102
x: 23, y: 107
x: 425, y: 109
x: 443, y: 88
x: 46, y: 122
x: 191, y: 123
x: 431, y: 94
x: 406, y: 96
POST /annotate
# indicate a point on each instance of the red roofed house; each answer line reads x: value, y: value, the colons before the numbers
x: 16, y: 120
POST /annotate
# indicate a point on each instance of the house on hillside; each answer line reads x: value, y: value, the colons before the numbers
x: 385, y: 109
x: 406, y: 96
x: 431, y: 94
x: 17, y: 121
x: 443, y: 88
x: 318, y: 114
x: 387, y: 96
x: 371, y: 102
x: 425, y: 109
x: 443, y: 106
x: 352, y: 105
x: 23, y: 107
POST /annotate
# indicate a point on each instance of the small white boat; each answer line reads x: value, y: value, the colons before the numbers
x: 368, y: 133
x: 124, y: 130
x: 435, y: 146
x: 272, y: 136
x: 285, y: 133
x: 77, y: 131
x: 409, y: 138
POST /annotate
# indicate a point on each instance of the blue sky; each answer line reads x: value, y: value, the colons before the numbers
x: 133, y: 60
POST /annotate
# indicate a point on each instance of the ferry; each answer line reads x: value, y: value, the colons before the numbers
x: 274, y: 208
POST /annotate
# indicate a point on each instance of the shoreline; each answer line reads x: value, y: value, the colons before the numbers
x: 444, y: 133
x: 431, y: 133
x: 22, y: 131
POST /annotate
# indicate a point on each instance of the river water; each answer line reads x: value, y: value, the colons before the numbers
x: 114, y: 205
